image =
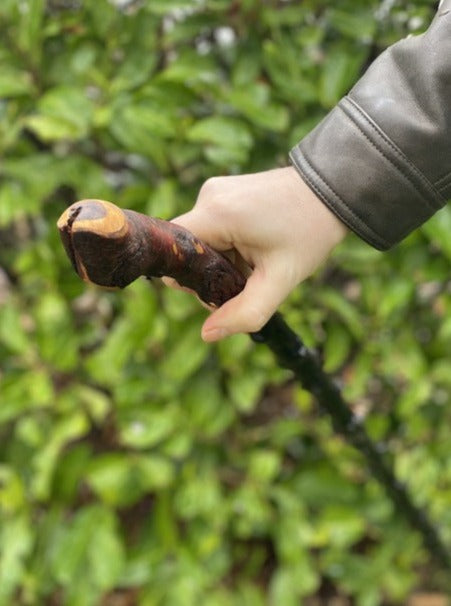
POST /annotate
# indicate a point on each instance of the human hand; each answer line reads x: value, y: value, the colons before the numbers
x: 275, y: 223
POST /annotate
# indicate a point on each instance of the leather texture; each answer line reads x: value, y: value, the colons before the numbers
x: 381, y: 159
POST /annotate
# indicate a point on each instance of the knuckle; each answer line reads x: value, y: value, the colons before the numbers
x: 215, y: 198
x: 209, y: 191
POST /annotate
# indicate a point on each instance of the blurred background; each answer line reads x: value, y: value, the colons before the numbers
x: 139, y: 466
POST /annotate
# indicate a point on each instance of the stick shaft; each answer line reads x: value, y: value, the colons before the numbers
x: 292, y: 354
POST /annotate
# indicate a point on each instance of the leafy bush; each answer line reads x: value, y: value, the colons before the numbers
x: 137, y: 463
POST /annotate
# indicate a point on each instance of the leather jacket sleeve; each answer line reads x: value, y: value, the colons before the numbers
x: 381, y: 159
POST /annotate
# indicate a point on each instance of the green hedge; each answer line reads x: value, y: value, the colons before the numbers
x: 136, y: 462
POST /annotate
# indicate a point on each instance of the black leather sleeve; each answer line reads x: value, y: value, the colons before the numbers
x: 381, y: 159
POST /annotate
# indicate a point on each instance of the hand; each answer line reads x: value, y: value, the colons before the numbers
x: 275, y: 223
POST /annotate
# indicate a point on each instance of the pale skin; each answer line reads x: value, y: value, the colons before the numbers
x: 279, y: 231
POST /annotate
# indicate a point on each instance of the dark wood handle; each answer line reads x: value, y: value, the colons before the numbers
x: 112, y: 247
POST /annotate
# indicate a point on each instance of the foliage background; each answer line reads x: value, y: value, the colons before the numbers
x: 138, y: 465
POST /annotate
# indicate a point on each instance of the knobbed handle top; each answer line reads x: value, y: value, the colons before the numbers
x: 112, y: 247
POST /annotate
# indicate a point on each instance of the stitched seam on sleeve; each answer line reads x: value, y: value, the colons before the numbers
x: 444, y: 189
x: 443, y: 180
x: 378, y: 148
x: 401, y: 169
x: 372, y: 235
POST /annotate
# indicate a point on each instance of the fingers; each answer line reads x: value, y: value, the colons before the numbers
x: 252, y: 308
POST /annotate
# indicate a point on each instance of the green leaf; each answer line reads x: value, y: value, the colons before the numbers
x: 12, y: 496
x: 64, y: 113
x: 149, y: 118
x: 162, y: 201
x: 15, y: 82
x: 287, y: 72
x: 89, y: 548
x: 347, y: 312
x: 142, y: 130
x: 49, y: 128
x: 359, y: 25
x: 16, y: 542
x: 264, y: 465
x: 192, y: 70
x: 114, y: 479
x: 245, y: 389
x: 340, y: 526
x: 30, y: 29
x: 254, y: 103
x: 438, y: 230
x: 222, y: 131
x: 120, y: 480
x: 396, y: 296
x: 340, y: 71
x: 127, y: 336
x: 106, y: 555
x: 12, y: 332
x: 197, y: 496
x: 15, y: 202
x: 55, y: 335
x: 155, y: 471
x: 206, y: 408
x: 185, y: 356
x: 337, y: 347
x: 144, y: 428
x: 23, y: 392
x: 290, y: 583
x: 67, y: 429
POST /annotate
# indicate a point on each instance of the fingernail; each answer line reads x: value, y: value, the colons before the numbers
x: 214, y: 334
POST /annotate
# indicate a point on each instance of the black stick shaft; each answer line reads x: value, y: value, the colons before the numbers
x: 292, y: 354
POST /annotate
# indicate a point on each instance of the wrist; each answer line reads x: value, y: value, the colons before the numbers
x: 324, y: 220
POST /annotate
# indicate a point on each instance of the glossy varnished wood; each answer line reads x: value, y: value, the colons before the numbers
x: 112, y: 247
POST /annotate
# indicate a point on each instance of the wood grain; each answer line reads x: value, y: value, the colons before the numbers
x: 112, y: 247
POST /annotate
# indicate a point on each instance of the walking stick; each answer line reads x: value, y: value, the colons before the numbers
x: 111, y: 247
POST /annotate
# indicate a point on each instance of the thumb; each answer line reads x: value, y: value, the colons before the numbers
x: 251, y: 308
x: 206, y: 227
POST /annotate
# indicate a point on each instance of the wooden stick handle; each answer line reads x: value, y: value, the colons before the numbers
x: 112, y: 247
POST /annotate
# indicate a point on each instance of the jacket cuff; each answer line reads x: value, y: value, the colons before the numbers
x: 363, y: 177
